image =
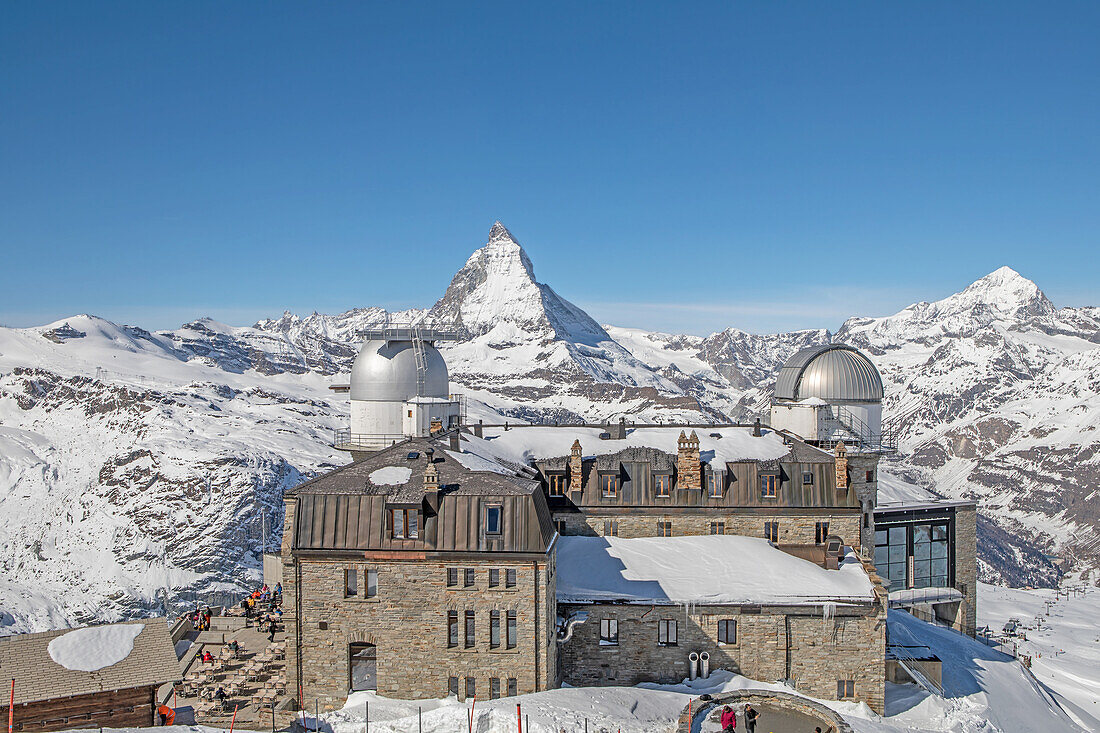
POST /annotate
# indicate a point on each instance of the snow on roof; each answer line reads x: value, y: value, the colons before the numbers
x: 524, y: 444
x: 391, y: 476
x: 895, y: 492
x: 717, y: 569
x: 96, y: 647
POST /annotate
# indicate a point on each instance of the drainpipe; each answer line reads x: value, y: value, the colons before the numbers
x: 298, y: 625
x: 787, y: 643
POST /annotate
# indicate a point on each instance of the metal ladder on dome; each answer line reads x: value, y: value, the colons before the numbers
x: 421, y: 359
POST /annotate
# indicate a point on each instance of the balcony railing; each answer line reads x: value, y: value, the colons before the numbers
x: 347, y: 440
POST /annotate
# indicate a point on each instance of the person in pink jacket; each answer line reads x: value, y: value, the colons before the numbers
x: 728, y: 719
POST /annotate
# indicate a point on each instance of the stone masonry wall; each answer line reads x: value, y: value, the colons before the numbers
x: 794, y: 529
x: 407, y: 621
x: 966, y: 565
x: 820, y: 651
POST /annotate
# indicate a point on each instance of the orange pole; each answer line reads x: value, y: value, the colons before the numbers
x: 232, y: 722
x: 519, y: 718
x: 11, y: 707
x: 689, y: 716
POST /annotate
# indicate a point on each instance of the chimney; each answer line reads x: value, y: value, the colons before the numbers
x: 756, y: 429
x: 454, y: 440
x: 576, y: 480
x: 479, y: 429
x: 841, y: 454
x: 620, y: 430
x: 431, y: 477
x: 688, y: 472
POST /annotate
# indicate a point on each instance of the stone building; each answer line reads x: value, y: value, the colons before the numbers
x: 653, y: 609
x: 419, y: 571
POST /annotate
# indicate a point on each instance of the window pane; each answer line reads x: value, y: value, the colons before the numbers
x: 398, y: 523
x: 351, y: 583
x: 510, y: 578
x: 511, y: 630
x: 880, y: 537
x: 512, y: 686
x: 939, y: 549
x: 922, y: 551
x: 469, y: 577
x: 922, y: 533
x: 939, y: 567
x: 492, y: 520
x: 372, y: 583
x: 494, y: 577
x: 897, y: 553
x: 897, y: 535
x: 939, y: 532
x: 494, y: 629
x: 414, y: 522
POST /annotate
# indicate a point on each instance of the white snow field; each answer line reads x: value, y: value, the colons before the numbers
x: 1062, y: 630
x: 96, y: 647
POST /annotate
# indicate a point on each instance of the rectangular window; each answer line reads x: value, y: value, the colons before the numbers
x: 452, y: 686
x: 372, y: 583
x: 807, y: 478
x: 452, y: 577
x: 771, y: 531
x: 512, y: 687
x: 511, y: 630
x: 404, y: 524
x: 611, y: 528
x: 452, y: 628
x: 845, y: 689
x: 609, y: 486
x: 471, y: 688
x: 559, y: 526
x: 494, y: 577
x: 717, y: 527
x: 821, y: 531
x: 666, y: 632
x: 469, y: 577
x: 664, y: 528
x: 660, y: 484
x: 768, y: 486
x: 494, y: 629
x: 494, y: 688
x: 510, y: 578
x: 870, y: 476
x: 557, y: 485
x: 714, y: 486
x: 727, y: 631
x: 471, y: 638
x: 351, y: 583
x: 609, y: 632
x: 492, y: 519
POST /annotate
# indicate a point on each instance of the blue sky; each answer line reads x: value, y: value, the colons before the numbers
x: 764, y: 165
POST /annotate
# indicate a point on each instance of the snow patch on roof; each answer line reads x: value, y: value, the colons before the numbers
x: 476, y: 462
x: 391, y: 476
x: 96, y: 647
x: 724, y: 569
x: 524, y: 444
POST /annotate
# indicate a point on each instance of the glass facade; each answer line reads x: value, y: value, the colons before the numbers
x: 914, y: 555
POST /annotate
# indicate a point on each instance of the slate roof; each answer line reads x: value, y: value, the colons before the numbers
x: 25, y: 658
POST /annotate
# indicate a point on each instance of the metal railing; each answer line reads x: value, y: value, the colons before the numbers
x: 347, y: 440
x: 841, y: 420
x: 914, y: 667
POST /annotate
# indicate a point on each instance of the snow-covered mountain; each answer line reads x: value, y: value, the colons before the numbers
x: 131, y: 461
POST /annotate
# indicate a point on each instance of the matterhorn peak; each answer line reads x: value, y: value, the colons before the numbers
x: 500, y: 232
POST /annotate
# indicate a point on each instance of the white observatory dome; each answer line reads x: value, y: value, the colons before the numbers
x: 831, y: 372
x: 385, y: 371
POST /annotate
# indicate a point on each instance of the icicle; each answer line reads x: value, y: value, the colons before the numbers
x: 828, y: 611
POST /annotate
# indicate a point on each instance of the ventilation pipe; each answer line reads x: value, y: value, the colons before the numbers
x: 704, y: 664
x: 693, y: 664
x: 566, y: 632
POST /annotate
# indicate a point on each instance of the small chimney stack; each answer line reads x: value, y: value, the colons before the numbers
x: 688, y: 470
x: 454, y: 441
x: 756, y: 429
x: 576, y: 480
x: 479, y: 429
x: 841, y: 454
x: 431, y: 476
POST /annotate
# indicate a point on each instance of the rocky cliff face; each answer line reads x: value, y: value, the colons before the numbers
x: 136, y: 465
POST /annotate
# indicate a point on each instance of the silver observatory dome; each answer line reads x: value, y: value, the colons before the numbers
x: 832, y: 372
x: 385, y: 371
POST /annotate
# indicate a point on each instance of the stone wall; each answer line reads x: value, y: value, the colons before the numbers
x: 795, y: 643
x: 407, y: 621
x: 966, y: 566
x: 795, y: 528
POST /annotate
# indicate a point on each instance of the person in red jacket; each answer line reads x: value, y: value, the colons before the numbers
x: 728, y: 719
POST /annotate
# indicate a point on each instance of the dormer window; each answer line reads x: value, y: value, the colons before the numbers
x: 492, y: 519
x: 769, y: 486
x: 714, y: 486
x: 807, y: 478
x: 661, y: 482
x: 609, y: 485
x: 557, y: 484
x: 404, y: 524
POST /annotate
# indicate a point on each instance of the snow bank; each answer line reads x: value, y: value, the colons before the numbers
x: 521, y: 445
x: 390, y: 476
x: 706, y: 569
x: 95, y: 647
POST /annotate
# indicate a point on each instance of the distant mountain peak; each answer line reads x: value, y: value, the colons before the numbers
x: 498, y: 231
x: 1007, y: 292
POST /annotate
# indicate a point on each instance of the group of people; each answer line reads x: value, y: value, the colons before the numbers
x: 266, y: 605
x: 200, y: 619
x: 729, y: 719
